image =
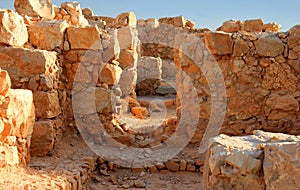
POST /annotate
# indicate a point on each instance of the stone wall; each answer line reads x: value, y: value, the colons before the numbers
x: 259, y: 161
x: 16, y: 123
x: 83, y: 66
x: 260, y: 73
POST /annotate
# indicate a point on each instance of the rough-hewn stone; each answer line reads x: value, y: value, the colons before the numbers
x: 46, y: 104
x: 35, y: 8
x: 261, y: 160
x: 13, y: 30
x: 255, y: 25
x: 47, y: 35
x: 269, y: 47
x: 84, y: 38
x: 219, y: 42
x: 21, y: 62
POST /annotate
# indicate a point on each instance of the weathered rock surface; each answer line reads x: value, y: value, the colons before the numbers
x: 35, y: 8
x: 260, y: 160
x: 47, y: 35
x: 46, y: 104
x: 84, y: 38
x: 13, y: 30
x: 16, y: 124
x: 218, y: 42
x: 21, y: 62
x: 269, y: 47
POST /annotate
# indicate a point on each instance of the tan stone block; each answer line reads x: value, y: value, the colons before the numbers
x: 128, y: 59
x: 13, y: 29
x: 87, y: 12
x: 253, y: 25
x: 127, y: 37
x: 179, y: 21
x: 18, y: 108
x: 219, y: 43
x: 47, y: 34
x: 34, y: 8
x: 112, y: 47
x: 241, y: 48
x: 43, y: 138
x: 271, y: 27
x: 245, y: 163
x: 125, y: 19
x: 269, y: 47
x: 110, y: 74
x: 46, y: 104
x: 140, y: 112
x: 128, y: 81
x: 105, y: 101
x: 172, y: 166
x: 294, y: 36
x: 281, y: 169
x: 84, y: 38
x: 231, y: 26
x: 20, y: 62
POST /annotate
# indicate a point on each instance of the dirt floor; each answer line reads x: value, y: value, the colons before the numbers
x: 125, y: 179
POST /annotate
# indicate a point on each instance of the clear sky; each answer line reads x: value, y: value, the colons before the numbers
x: 210, y: 14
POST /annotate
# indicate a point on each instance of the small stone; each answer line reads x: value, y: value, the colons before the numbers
x: 139, y: 184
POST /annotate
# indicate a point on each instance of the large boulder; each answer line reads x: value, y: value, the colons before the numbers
x: 13, y: 30
x: 34, y: 8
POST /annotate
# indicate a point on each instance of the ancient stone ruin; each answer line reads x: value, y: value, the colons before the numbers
x: 83, y: 95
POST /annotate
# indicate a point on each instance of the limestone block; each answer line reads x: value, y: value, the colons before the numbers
x: 140, y: 112
x: 128, y: 59
x: 105, y: 101
x: 21, y: 62
x: 111, y: 46
x: 42, y: 138
x: 34, y: 8
x: 87, y: 12
x: 84, y: 38
x: 127, y: 37
x: 269, y: 47
x: 219, y: 43
x: 231, y: 26
x: 110, y: 74
x: 16, y: 126
x: 128, y: 81
x: 281, y: 166
x: 46, y: 104
x: 149, y: 68
x: 71, y: 12
x: 294, y: 35
x: 13, y: 30
x: 253, y: 25
x: 264, y: 160
x: 47, y: 35
x: 241, y: 48
x: 125, y: 19
x: 271, y: 27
